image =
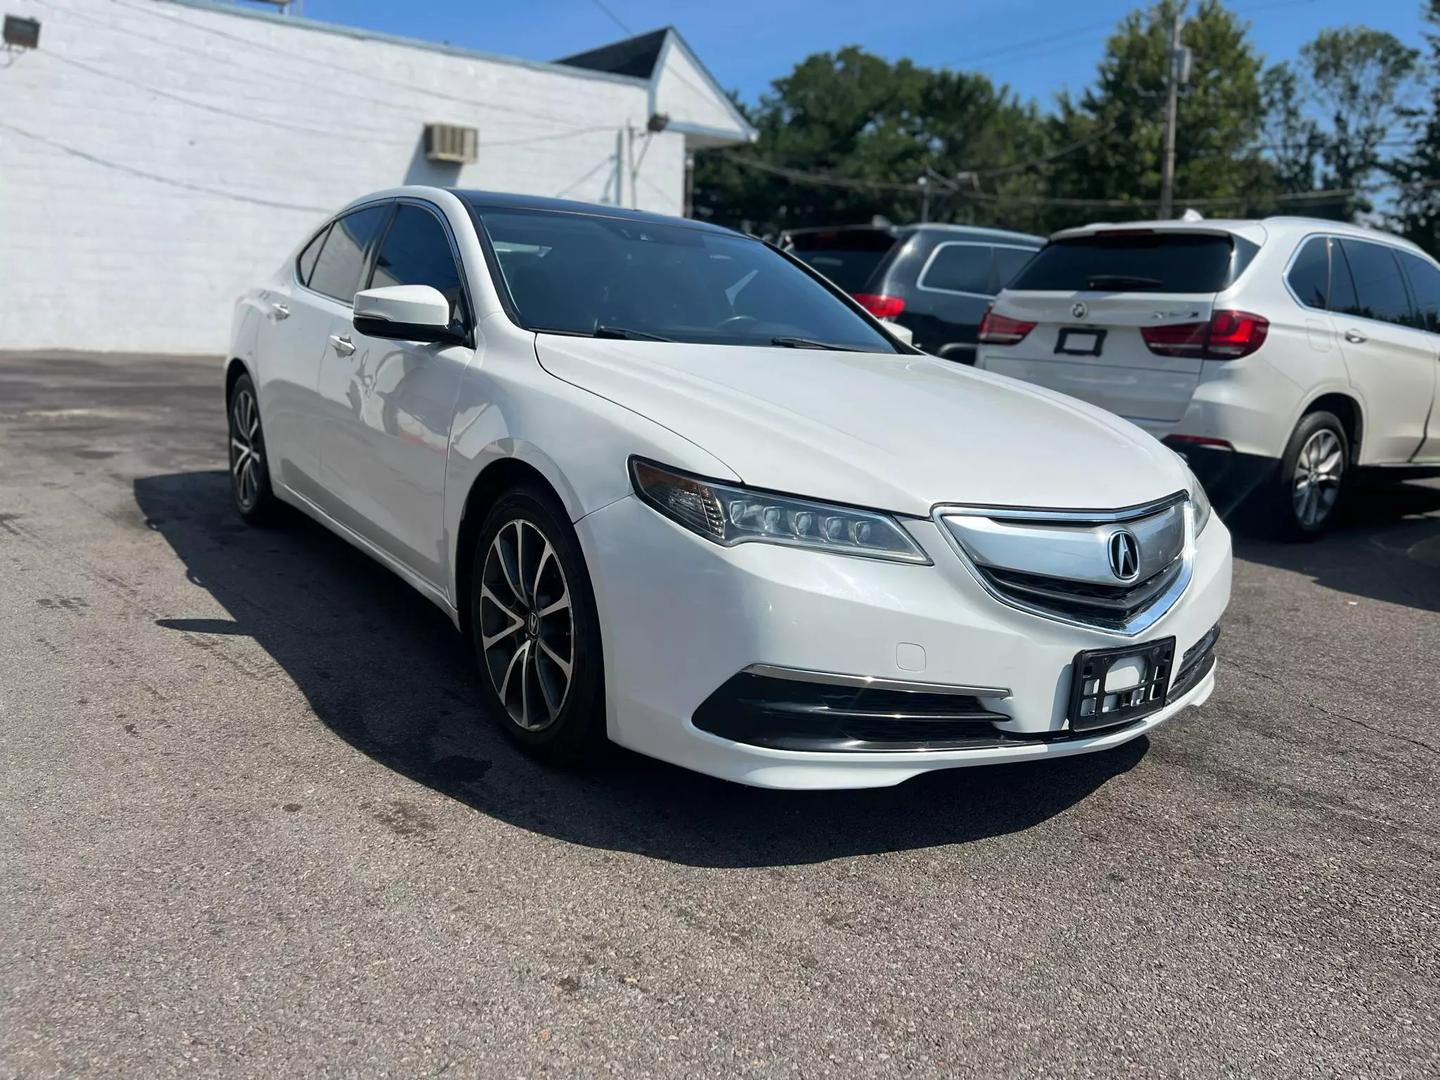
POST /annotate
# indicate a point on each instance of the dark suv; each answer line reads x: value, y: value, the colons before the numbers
x: 935, y: 279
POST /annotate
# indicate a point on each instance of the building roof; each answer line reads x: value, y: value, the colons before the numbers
x: 636, y: 56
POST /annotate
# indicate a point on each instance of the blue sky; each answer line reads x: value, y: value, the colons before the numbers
x: 1038, y: 47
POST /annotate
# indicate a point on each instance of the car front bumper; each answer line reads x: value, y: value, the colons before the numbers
x: 681, y: 617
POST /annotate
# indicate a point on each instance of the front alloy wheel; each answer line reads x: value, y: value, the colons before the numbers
x: 535, y: 629
x: 527, y: 625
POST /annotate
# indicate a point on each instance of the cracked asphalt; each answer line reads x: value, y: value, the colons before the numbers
x: 254, y: 824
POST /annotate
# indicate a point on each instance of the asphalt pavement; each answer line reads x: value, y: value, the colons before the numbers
x: 254, y: 823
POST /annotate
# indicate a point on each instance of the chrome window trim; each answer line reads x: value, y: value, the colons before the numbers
x: 1138, y: 623
x: 872, y: 682
x: 920, y: 278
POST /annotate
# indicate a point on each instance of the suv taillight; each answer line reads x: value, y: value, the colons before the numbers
x: 1000, y: 330
x: 881, y: 305
x: 1227, y: 336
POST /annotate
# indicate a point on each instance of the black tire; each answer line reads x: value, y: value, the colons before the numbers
x: 532, y: 610
x: 250, y: 489
x: 1310, y: 485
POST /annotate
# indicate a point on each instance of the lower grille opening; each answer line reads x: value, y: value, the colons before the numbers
x: 1196, y: 663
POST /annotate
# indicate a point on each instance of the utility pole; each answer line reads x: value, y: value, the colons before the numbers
x: 924, y: 183
x: 1172, y: 87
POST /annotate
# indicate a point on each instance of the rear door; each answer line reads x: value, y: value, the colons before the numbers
x: 1424, y: 278
x: 1089, y: 296
x: 1391, y: 362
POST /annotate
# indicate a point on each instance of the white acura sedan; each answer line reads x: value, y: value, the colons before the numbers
x: 683, y: 493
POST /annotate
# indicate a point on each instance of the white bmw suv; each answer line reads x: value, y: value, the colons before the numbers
x: 1279, y: 356
x: 683, y: 493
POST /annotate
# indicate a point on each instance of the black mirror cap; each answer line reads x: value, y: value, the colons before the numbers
x: 454, y: 334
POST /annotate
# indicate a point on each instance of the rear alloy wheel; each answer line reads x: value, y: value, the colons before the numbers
x: 533, y: 622
x: 1312, y: 475
x: 249, y: 471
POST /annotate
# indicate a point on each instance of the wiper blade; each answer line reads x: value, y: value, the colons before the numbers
x: 808, y: 343
x: 1120, y: 281
x: 626, y: 334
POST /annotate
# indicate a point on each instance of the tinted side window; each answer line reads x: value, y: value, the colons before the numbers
x: 305, y: 264
x: 416, y: 251
x: 959, y: 268
x: 1008, y: 263
x: 337, y: 270
x: 1425, y: 287
x: 1379, y: 288
x: 1309, y: 275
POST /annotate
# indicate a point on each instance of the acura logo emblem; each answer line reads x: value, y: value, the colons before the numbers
x: 1124, y: 554
x: 1079, y: 311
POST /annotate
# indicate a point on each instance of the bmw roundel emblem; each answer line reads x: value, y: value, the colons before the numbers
x: 1079, y: 311
x: 1124, y: 552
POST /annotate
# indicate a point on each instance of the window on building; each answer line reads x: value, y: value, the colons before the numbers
x: 959, y: 268
x: 1309, y: 275
x: 342, y: 257
x: 1425, y: 288
x: 305, y: 264
x: 1379, y: 286
x: 416, y: 251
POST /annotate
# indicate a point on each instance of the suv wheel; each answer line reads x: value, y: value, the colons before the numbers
x: 1312, y: 475
x: 535, y: 630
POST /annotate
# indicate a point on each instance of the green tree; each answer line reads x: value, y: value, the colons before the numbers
x: 1218, y: 117
x: 870, y: 130
x: 1417, y: 209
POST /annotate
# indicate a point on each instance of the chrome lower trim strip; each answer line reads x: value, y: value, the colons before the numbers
x: 872, y: 682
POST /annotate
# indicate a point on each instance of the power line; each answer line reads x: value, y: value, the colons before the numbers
x: 156, y: 177
x: 612, y: 16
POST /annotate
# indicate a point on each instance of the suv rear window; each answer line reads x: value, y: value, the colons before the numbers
x: 848, y: 257
x: 1138, y: 262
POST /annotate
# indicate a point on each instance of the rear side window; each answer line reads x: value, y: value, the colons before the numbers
x: 962, y: 268
x: 1309, y: 275
x: 1425, y: 289
x: 305, y: 264
x: 416, y: 251
x: 1379, y: 286
x: 342, y: 258
x: 1009, y: 262
x: 848, y: 257
x: 1138, y: 262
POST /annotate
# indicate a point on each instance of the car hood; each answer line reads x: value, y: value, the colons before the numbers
x: 893, y: 432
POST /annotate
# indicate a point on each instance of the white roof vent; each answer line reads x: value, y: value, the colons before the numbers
x: 452, y: 143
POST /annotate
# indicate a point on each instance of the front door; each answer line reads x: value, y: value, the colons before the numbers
x: 390, y: 404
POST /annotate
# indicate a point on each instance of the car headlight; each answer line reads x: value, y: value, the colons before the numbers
x: 1198, y: 499
x: 729, y: 514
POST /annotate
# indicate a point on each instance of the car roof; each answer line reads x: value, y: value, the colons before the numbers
x: 977, y: 232
x: 1256, y: 229
x: 501, y: 200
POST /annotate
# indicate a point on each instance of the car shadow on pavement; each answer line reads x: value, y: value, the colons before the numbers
x: 386, y: 671
x: 1384, y: 546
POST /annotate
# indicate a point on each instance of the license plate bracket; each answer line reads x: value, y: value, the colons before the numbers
x: 1086, y: 342
x: 1094, y: 705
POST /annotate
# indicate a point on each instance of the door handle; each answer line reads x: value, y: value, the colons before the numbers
x: 1355, y: 337
x: 343, y: 345
x: 282, y: 311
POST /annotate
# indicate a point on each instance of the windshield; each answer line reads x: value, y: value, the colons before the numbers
x: 1138, y: 262
x: 615, y: 277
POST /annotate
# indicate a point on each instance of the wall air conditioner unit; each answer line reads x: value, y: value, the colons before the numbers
x: 449, y: 142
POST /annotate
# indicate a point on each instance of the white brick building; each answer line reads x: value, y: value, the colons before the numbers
x: 157, y: 156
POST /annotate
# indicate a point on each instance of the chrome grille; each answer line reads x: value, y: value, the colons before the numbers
x: 1056, y: 563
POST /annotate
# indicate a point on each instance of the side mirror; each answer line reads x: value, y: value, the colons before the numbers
x: 902, y: 334
x: 407, y: 313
